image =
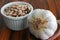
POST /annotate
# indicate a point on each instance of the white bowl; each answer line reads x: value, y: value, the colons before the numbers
x: 15, y: 23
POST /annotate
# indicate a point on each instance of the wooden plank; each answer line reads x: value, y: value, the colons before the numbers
x: 25, y: 0
x: 5, y: 34
x: 1, y: 4
x: 57, y: 3
x: 52, y: 7
x: 42, y: 4
x: 58, y: 38
x: 13, y: 0
x: 17, y: 35
x: 25, y: 34
x: 34, y: 3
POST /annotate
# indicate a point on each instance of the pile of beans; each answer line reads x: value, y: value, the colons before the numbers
x: 17, y: 10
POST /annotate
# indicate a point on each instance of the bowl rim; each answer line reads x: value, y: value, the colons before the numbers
x: 18, y: 2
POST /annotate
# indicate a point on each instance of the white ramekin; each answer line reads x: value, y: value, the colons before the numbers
x: 16, y: 23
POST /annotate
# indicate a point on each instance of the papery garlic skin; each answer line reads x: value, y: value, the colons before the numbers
x: 50, y: 26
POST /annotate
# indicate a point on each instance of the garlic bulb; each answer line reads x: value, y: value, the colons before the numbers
x: 42, y: 23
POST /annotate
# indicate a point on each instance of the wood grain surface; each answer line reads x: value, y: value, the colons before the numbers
x: 7, y: 34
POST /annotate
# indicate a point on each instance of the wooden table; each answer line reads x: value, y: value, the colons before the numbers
x: 7, y: 34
